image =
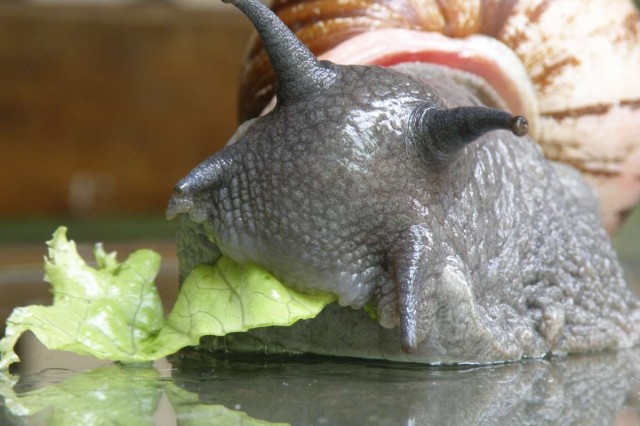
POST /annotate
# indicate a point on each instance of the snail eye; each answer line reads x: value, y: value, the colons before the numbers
x: 180, y: 189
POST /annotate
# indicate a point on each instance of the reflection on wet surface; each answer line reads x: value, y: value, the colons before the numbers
x: 598, y: 389
x: 343, y: 393
x: 59, y: 388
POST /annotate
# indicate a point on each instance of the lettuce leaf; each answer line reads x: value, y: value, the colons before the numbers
x: 230, y: 298
x: 105, y: 312
x: 113, y: 311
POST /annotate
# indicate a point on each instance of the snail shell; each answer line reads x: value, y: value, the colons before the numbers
x: 581, y: 61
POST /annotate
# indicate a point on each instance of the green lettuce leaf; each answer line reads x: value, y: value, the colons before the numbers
x: 113, y: 311
x: 229, y: 298
x: 106, y: 312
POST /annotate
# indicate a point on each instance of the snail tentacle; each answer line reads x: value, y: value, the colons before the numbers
x: 297, y: 70
x: 441, y: 133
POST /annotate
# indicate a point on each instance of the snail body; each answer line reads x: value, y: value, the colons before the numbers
x: 397, y: 189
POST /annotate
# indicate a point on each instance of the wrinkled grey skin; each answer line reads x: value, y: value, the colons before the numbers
x: 366, y: 183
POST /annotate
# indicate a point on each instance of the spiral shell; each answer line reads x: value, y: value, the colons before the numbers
x: 582, y: 59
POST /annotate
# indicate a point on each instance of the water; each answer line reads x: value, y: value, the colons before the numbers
x: 597, y: 389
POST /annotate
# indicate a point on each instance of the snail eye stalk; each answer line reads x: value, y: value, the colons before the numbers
x: 298, y: 71
x: 442, y: 133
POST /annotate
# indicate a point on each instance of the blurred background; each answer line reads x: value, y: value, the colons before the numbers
x: 104, y: 106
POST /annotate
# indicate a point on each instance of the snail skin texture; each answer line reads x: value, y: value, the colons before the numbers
x: 398, y: 189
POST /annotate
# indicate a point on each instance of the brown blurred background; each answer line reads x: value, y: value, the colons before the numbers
x: 103, y: 108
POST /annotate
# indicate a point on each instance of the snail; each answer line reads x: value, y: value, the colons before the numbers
x: 398, y: 190
x: 570, y: 66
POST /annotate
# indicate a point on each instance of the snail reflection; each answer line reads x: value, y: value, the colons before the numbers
x: 574, y: 390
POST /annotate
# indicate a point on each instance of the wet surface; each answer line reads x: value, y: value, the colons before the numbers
x: 598, y: 389
x: 343, y: 393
